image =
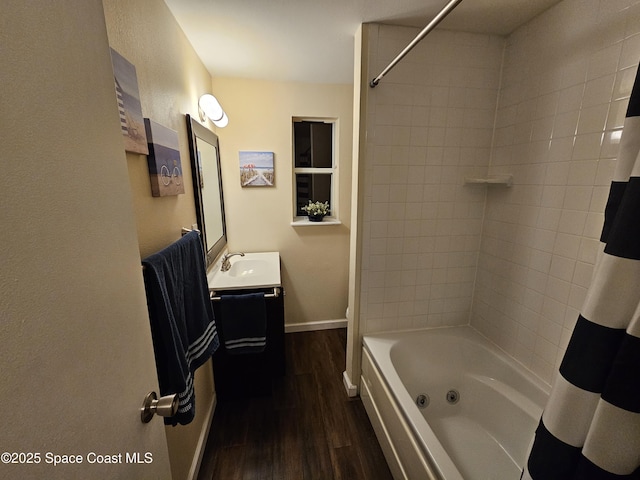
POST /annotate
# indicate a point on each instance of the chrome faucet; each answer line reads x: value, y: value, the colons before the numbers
x: 226, y: 264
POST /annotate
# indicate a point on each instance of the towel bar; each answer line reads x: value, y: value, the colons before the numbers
x: 183, y: 232
x: 186, y: 230
x: 275, y: 294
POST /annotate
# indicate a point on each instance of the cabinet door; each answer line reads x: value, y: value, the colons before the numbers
x: 238, y: 375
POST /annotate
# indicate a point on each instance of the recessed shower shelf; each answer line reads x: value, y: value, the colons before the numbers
x: 503, y: 180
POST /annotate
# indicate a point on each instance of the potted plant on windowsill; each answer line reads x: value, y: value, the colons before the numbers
x: 316, y: 211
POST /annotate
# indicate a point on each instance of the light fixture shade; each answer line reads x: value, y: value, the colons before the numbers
x: 223, y: 122
x: 211, y: 107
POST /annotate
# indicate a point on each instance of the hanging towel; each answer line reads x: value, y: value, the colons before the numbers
x: 182, y: 323
x: 590, y: 427
x: 243, y: 323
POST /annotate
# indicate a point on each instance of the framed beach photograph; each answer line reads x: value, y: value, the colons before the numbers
x: 165, y: 167
x: 129, y: 106
x: 257, y: 169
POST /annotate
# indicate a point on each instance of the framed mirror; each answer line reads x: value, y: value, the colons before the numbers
x: 207, y: 187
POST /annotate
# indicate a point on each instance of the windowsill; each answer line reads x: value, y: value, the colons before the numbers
x: 304, y: 222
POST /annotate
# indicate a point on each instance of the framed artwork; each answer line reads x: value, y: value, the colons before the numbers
x: 165, y: 167
x: 129, y: 107
x: 257, y: 169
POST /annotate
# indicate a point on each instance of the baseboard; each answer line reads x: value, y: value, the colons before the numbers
x: 311, y: 326
x: 202, y: 441
x: 352, y: 390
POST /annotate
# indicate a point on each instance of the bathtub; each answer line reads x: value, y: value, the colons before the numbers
x: 447, y: 404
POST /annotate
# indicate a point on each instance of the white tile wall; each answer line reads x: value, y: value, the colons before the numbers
x: 567, y: 79
x: 429, y: 124
x: 514, y: 262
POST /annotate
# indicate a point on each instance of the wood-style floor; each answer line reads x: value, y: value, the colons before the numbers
x: 306, y: 429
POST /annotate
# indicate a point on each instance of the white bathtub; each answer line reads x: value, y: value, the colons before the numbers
x: 484, y: 436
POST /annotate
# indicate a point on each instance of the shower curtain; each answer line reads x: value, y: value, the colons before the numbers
x: 590, y: 427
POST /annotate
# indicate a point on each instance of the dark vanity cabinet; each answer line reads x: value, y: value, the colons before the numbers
x: 251, y: 374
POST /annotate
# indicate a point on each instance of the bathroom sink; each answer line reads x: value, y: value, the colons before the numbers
x: 248, y: 267
x: 254, y: 270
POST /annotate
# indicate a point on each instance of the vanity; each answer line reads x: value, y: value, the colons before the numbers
x: 249, y: 374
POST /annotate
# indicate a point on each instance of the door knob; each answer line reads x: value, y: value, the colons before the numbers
x: 166, y: 406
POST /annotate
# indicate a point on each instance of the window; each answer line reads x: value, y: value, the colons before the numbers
x: 314, y: 165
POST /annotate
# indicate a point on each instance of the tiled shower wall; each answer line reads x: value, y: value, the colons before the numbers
x: 429, y: 124
x: 566, y: 81
x: 518, y: 266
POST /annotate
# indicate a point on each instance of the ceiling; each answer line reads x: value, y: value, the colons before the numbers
x: 312, y: 40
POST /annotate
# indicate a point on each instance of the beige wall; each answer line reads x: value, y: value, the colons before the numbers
x: 314, y: 259
x: 360, y: 91
x: 170, y: 78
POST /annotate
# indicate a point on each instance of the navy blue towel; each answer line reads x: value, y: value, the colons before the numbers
x: 243, y: 323
x: 182, y: 323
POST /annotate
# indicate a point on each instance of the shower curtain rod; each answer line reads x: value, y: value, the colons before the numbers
x: 432, y: 24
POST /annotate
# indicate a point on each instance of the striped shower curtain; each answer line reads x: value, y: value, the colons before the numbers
x: 590, y: 427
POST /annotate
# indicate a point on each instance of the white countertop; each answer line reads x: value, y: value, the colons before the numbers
x: 253, y: 270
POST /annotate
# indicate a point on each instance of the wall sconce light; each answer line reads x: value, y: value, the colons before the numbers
x: 209, y: 107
